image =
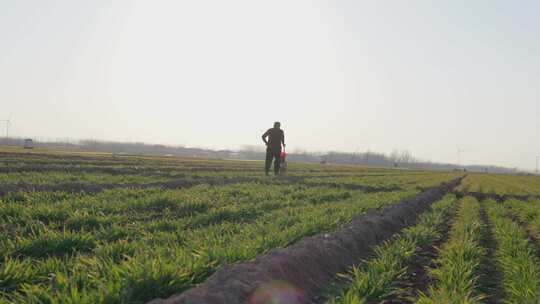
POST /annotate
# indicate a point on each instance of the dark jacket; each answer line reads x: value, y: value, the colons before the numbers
x: 276, y: 137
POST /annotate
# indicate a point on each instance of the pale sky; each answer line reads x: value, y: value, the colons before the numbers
x: 424, y: 76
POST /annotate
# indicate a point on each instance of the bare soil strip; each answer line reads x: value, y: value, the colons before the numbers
x: 489, y: 282
x: 172, y: 172
x: 364, y: 188
x: 312, y: 263
x: 481, y: 196
x: 95, y: 188
x: 90, y: 169
x: 530, y: 235
x: 417, y: 278
x: 177, y: 184
x: 50, y: 156
x: 111, y: 169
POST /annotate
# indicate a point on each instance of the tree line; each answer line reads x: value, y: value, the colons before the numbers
x: 397, y: 159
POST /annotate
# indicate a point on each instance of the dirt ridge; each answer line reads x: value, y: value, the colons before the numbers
x: 313, y: 262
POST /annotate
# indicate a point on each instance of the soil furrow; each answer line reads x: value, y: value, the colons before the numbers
x: 96, y: 188
x: 489, y: 282
x: 417, y: 278
x: 530, y: 235
x: 181, y: 183
x: 365, y: 188
x: 310, y: 264
x: 481, y: 196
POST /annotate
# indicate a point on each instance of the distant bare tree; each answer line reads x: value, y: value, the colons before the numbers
x: 405, y: 157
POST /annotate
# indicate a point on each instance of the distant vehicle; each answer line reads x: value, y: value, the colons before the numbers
x: 28, y: 143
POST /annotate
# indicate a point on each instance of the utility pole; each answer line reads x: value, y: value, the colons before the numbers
x: 537, y: 165
x: 8, y: 122
x: 353, y: 157
x: 459, y: 151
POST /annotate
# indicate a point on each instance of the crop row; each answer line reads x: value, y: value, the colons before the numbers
x: 409, y: 181
x: 527, y: 212
x: 501, y: 184
x: 132, y: 245
x: 375, y: 280
x: 84, y: 178
x: 462, y: 264
x: 79, y: 177
x: 168, y: 166
x: 460, y: 271
x: 170, y: 209
x: 515, y: 256
x: 147, y: 163
x: 458, y: 263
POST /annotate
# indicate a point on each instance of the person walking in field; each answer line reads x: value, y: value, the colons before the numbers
x: 273, y: 138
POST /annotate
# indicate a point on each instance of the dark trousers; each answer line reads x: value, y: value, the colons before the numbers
x: 272, y: 154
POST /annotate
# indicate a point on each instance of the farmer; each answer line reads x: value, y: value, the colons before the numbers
x: 276, y: 138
